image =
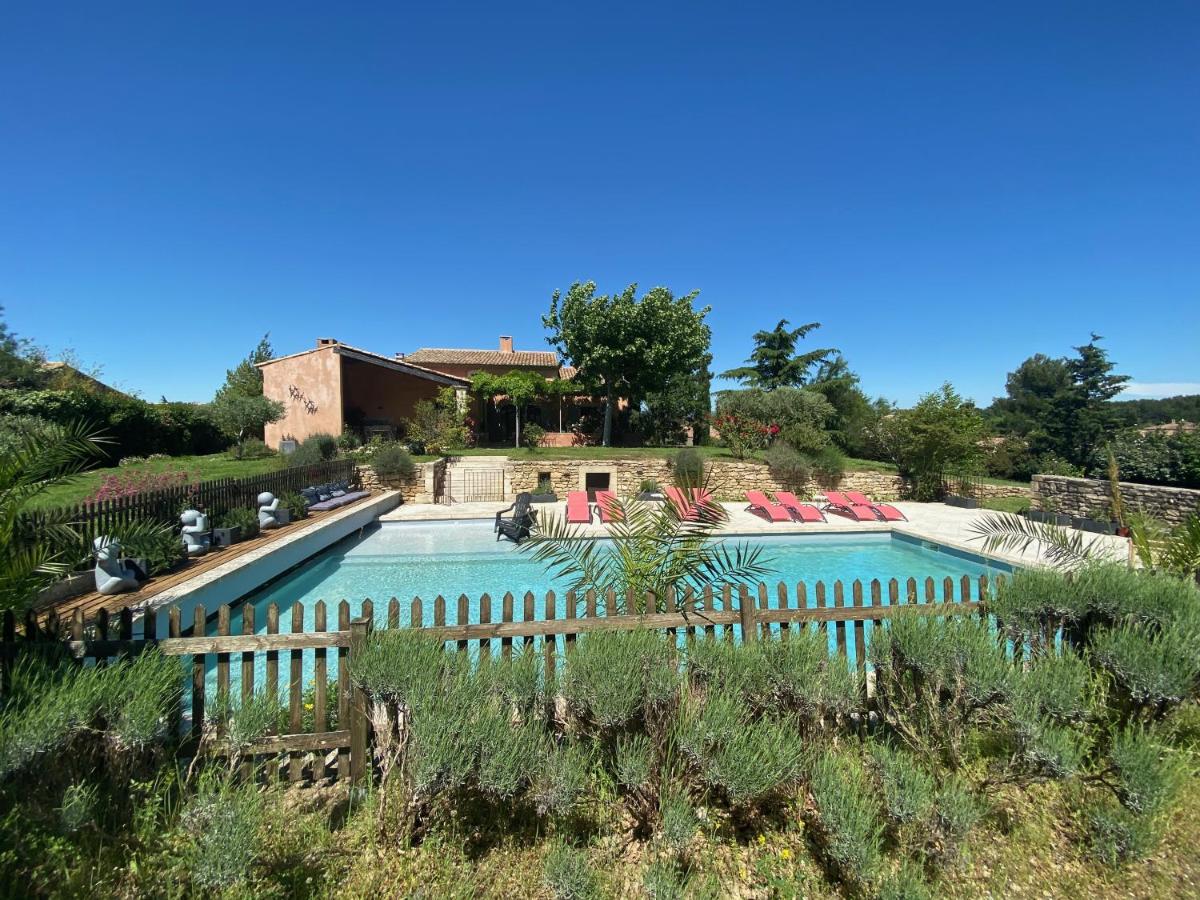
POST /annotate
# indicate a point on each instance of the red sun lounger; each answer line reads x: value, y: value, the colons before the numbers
x: 884, y: 510
x: 760, y: 504
x: 804, y: 512
x: 608, y: 506
x: 841, y: 504
x: 578, y: 511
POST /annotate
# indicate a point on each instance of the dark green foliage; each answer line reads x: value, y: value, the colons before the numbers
x: 618, y: 677
x: 847, y: 814
x: 568, y: 875
x: 134, y: 427
x: 251, y: 448
x: 295, y: 504
x: 241, y: 517
x: 532, y: 435
x: 1168, y: 459
x: 314, y: 449
x: 154, y: 542
x: 687, y: 469
x: 393, y: 461
x: 774, y: 362
x: 789, y: 466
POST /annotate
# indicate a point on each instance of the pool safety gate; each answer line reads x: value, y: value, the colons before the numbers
x: 472, y: 484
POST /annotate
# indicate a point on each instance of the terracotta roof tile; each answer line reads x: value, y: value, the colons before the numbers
x: 431, y: 356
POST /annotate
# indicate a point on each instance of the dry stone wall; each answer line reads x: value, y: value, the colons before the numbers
x: 1085, y: 496
x: 729, y: 479
x: 418, y: 488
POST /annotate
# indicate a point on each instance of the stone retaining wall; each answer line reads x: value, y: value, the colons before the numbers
x: 729, y: 479
x: 1083, y: 496
x: 416, y: 489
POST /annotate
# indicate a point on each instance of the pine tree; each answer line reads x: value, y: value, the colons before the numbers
x: 774, y: 363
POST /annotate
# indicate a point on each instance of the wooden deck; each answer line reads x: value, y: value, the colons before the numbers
x: 91, y: 603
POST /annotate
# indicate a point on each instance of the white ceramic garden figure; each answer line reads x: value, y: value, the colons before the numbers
x: 113, y: 575
x: 268, y: 503
x: 195, y: 532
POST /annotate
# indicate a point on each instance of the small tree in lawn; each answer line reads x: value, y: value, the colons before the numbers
x: 520, y: 388
x: 941, y: 433
x: 242, y: 417
x: 624, y: 346
x: 239, y: 407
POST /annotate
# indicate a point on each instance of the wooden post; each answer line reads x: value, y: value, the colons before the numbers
x: 748, y: 617
x: 360, y: 764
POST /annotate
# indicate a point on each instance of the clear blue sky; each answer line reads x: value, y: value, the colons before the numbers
x: 948, y: 188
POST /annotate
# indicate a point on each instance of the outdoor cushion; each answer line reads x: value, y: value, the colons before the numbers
x: 339, y: 493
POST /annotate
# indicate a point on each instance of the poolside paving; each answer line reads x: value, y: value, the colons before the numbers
x: 949, y: 526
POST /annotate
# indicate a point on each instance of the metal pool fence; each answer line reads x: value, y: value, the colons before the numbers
x: 323, y: 729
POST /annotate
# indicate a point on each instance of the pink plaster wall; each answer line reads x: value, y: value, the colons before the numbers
x: 318, y: 378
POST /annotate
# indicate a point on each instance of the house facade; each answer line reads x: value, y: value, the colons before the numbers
x: 334, y: 386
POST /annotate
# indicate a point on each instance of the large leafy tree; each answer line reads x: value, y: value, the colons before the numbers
x: 682, y: 403
x: 774, y: 362
x: 1061, y: 406
x: 626, y: 346
x: 853, y: 412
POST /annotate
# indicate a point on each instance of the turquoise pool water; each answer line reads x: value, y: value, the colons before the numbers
x: 425, y: 560
x: 407, y: 560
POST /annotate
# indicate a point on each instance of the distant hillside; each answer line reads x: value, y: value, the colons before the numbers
x: 1156, y: 412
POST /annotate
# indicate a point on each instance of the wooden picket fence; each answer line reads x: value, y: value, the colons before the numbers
x: 744, y: 614
x: 215, y: 496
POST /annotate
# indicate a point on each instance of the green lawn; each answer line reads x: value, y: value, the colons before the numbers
x: 216, y: 465
x: 1006, y: 504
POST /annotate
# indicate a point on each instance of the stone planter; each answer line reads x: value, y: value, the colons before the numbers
x: 283, y: 515
x: 226, y: 537
x: 961, y: 502
x: 543, y: 498
x: 1095, y: 526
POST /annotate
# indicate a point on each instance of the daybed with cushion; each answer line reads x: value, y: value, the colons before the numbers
x: 323, y: 497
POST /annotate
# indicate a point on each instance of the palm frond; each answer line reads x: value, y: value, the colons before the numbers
x: 650, y: 550
x: 1017, y: 534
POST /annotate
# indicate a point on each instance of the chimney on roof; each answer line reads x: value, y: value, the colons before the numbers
x: 326, y: 342
x: 505, y: 344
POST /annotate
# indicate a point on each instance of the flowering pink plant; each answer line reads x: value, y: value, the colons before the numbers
x: 131, y: 483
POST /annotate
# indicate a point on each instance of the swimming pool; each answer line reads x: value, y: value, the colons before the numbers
x: 404, y: 560
x: 427, y: 559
